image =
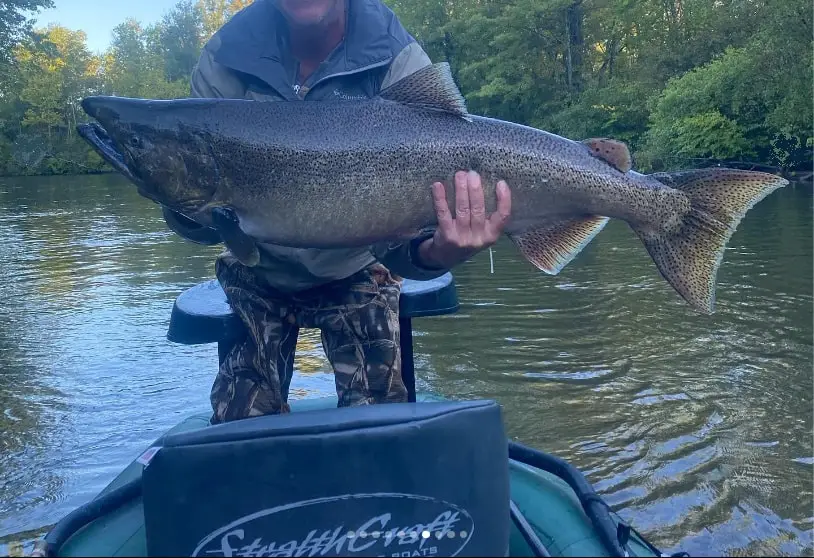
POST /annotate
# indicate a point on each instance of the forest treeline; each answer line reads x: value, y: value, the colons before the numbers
x: 676, y: 79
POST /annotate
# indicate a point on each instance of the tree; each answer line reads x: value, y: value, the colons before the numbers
x: 178, y: 40
x: 217, y: 12
x: 675, y: 79
x: 56, y: 71
x: 15, y: 23
x: 752, y: 102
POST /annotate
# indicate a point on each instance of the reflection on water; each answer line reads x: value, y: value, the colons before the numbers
x: 698, y: 429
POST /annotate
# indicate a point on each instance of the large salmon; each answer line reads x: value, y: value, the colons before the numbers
x: 334, y: 174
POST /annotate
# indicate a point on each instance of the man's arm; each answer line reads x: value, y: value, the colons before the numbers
x: 209, y: 80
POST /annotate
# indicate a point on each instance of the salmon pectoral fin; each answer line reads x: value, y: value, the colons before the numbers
x: 688, y: 255
x: 551, y: 247
x: 241, y: 245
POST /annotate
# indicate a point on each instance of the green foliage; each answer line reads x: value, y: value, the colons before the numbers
x: 614, y: 110
x: 675, y: 79
x: 53, y: 70
x: 752, y: 102
x: 15, y: 24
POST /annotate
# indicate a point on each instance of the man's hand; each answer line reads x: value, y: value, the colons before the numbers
x: 458, y: 239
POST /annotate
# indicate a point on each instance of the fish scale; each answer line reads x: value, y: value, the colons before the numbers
x: 347, y: 174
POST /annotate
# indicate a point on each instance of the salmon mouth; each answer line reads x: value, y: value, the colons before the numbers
x: 104, y: 145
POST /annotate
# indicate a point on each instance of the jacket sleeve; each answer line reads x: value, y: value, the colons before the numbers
x: 209, y: 80
x: 402, y: 257
x: 212, y: 80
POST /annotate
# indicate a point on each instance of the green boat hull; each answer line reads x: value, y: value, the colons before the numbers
x: 547, y: 502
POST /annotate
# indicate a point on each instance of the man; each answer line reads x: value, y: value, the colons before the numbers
x: 294, y: 50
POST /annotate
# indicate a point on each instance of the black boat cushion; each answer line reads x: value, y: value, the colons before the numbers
x: 403, y: 479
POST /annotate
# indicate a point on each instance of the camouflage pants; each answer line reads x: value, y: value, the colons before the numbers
x: 358, y: 318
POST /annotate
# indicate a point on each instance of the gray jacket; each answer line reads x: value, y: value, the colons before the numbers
x: 248, y: 58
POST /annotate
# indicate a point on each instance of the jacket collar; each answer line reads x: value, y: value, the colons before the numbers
x: 254, y: 41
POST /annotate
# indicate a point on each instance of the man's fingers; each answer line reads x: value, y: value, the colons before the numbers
x: 442, y: 213
x: 477, y: 207
x: 500, y: 217
x: 461, y: 200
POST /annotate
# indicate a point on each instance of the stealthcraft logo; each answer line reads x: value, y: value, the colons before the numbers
x: 381, y: 524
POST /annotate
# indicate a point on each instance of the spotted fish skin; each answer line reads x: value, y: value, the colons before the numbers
x: 341, y: 174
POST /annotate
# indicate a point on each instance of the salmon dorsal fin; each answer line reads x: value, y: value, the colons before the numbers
x: 431, y: 87
x: 613, y: 152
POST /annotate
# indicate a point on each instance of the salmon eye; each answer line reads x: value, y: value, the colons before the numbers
x: 135, y: 141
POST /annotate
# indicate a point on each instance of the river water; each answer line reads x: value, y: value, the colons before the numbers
x: 698, y: 430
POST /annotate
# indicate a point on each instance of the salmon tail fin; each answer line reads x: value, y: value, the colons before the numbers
x: 689, y: 254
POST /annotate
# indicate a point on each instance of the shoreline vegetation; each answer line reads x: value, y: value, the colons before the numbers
x: 683, y: 82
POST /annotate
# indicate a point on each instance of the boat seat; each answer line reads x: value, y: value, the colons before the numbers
x: 404, y: 479
x: 201, y: 314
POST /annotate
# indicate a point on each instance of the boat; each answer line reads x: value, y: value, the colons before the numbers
x: 429, y: 477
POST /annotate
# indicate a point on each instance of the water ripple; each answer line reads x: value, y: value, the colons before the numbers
x: 697, y: 429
